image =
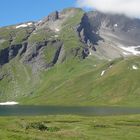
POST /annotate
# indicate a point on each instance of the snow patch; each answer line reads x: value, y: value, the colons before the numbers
x: 30, y: 23
x: 131, y: 49
x: 115, y: 25
x: 125, y: 53
x: 9, y: 103
x: 24, y: 25
x: 39, y: 21
x: 21, y: 26
x: 103, y: 72
x: 57, y: 30
x: 134, y: 67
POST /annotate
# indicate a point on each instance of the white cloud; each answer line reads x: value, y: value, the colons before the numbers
x: 130, y: 8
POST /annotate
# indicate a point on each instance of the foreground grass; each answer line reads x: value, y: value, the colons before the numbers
x: 70, y: 128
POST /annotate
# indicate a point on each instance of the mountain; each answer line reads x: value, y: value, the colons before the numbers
x: 71, y: 58
x: 112, y: 36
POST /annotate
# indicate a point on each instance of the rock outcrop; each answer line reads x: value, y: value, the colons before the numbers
x: 107, y: 34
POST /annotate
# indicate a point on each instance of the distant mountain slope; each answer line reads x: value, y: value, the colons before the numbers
x: 112, y: 36
x: 71, y: 58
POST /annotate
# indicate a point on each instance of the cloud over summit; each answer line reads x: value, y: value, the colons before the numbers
x: 130, y: 8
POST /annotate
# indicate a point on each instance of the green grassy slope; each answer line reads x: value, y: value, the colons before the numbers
x: 70, y: 128
x: 18, y: 81
x: 81, y: 83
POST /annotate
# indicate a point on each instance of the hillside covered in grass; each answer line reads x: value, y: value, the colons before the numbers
x: 67, y: 59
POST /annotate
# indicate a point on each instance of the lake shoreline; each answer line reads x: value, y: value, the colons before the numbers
x: 21, y: 110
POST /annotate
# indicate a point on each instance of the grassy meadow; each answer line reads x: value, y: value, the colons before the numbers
x: 68, y: 127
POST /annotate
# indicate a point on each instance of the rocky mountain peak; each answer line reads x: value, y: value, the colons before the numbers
x: 105, y: 35
x: 54, y: 16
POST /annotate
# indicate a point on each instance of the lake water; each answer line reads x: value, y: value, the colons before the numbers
x: 57, y: 110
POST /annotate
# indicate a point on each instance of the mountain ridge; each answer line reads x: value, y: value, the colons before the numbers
x: 58, y: 59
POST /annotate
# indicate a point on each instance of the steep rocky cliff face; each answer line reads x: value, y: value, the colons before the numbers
x: 110, y: 36
x: 30, y: 41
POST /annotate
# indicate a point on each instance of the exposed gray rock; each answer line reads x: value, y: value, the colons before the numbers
x: 3, y: 75
x: 23, y: 49
x: 9, y: 53
x: 54, y: 16
x: 34, y: 55
x: 89, y: 31
x: 49, y: 19
x: 58, y: 45
x: 85, y: 52
x: 13, y: 50
x: 106, y: 33
x: 4, y: 56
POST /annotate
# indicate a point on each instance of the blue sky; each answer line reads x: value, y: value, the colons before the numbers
x: 17, y: 11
